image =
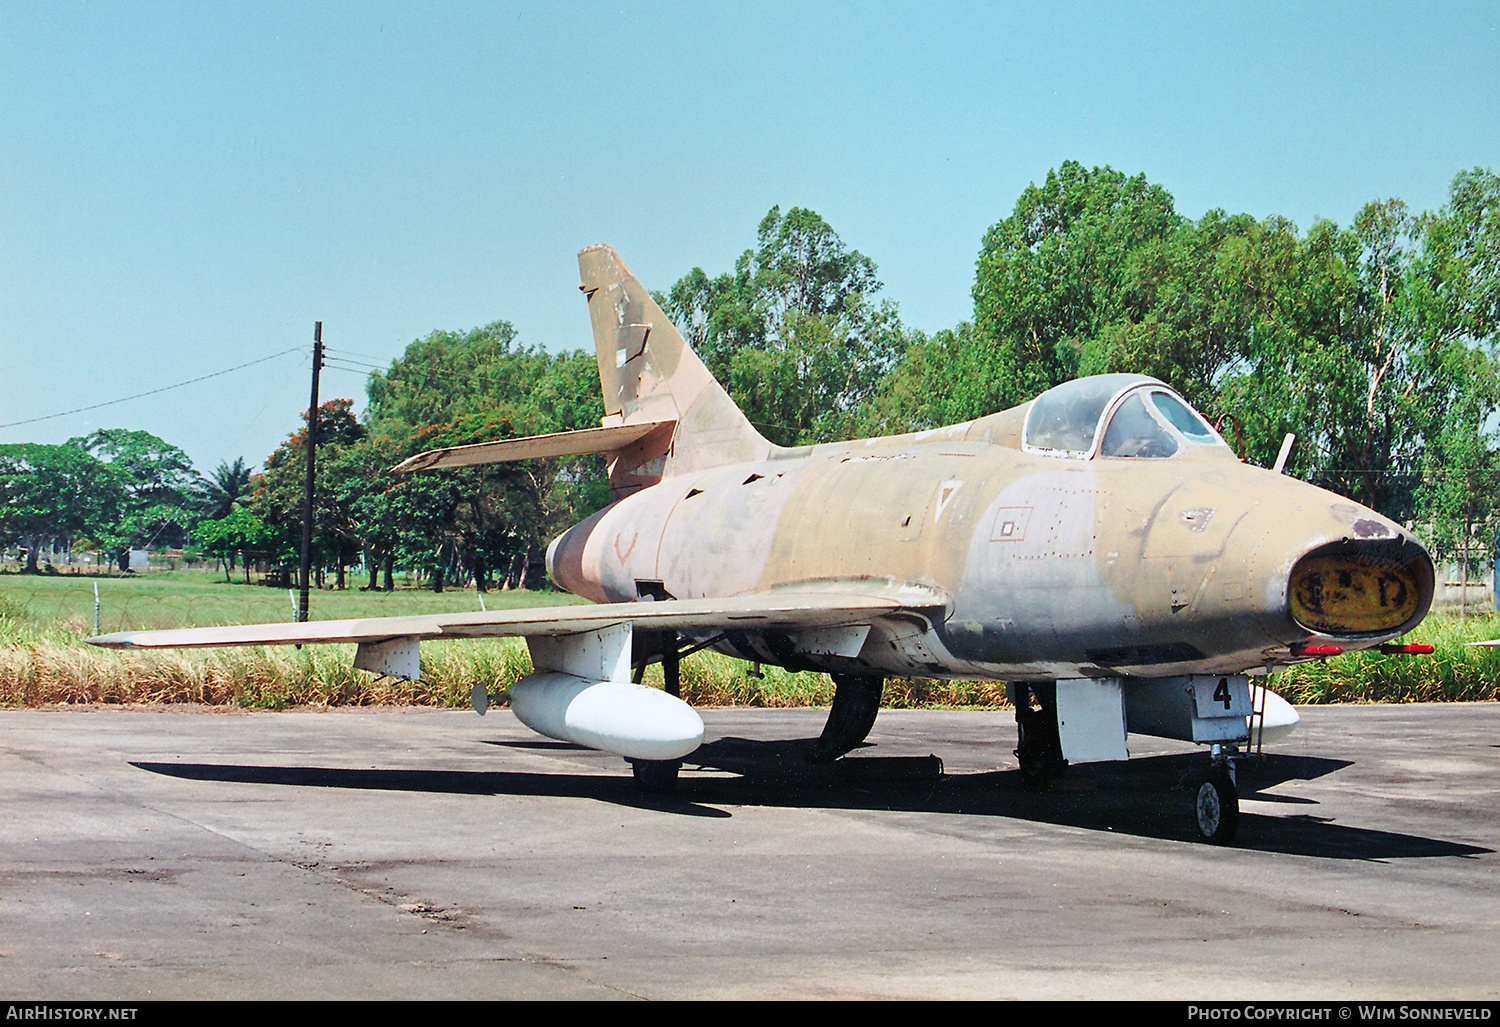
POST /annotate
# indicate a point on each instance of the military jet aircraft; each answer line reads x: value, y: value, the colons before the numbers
x: 1100, y: 549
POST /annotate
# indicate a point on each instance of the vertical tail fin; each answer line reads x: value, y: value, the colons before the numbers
x: 649, y: 373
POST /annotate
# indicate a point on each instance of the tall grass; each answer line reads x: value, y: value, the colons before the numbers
x: 44, y: 660
x: 45, y: 664
x: 1455, y: 672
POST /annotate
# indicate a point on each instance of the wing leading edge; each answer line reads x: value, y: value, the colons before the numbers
x: 790, y: 610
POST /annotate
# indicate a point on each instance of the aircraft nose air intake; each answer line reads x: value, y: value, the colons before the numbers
x: 1362, y: 587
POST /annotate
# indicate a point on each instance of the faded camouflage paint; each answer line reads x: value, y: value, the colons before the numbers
x: 648, y: 373
x: 1048, y: 571
x: 1022, y: 565
x: 563, y: 443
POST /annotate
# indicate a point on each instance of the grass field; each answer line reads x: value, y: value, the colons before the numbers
x: 44, y: 620
x: 43, y: 659
x: 201, y: 598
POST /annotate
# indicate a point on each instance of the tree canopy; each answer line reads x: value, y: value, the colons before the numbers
x: 52, y: 492
x: 793, y: 333
x: 488, y: 525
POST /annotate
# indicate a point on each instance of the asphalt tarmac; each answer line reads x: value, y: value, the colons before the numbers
x: 172, y: 853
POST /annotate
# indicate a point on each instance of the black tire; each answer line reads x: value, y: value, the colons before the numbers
x: 1033, y: 777
x: 856, y: 703
x: 655, y: 777
x: 1038, y: 748
x: 1216, y: 808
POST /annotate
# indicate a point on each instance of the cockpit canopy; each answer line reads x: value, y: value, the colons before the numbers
x: 1114, y: 415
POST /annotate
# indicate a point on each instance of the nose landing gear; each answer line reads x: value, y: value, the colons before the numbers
x: 1217, y: 808
x: 1216, y: 800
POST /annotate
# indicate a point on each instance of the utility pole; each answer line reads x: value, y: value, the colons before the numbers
x: 312, y: 451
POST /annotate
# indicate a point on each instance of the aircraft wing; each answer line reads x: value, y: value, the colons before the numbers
x: 781, y: 610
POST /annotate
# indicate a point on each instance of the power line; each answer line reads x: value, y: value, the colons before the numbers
x: 362, y: 356
x: 153, y: 392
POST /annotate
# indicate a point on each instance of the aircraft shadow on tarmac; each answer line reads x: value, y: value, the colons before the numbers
x: 1142, y: 797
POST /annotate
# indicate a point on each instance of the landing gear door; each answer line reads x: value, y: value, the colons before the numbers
x: 1202, y: 708
x: 1091, y: 720
x: 1224, y: 695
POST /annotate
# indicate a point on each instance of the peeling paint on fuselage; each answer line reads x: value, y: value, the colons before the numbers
x: 1049, y: 567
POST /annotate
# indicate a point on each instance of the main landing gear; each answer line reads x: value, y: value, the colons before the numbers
x: 655, y: 777
x: 659, y: 777
x: 1038, y: 747
x: 856, y: 701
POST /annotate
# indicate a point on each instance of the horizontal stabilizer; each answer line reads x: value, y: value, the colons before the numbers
x: 564, y: 443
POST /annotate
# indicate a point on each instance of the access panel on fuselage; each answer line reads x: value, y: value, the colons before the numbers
x: 1035, y: 580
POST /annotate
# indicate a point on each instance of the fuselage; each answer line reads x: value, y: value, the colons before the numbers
x: 1040, y: 563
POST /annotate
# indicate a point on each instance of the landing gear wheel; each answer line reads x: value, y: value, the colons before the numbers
x: 856, y: 702
x: 655, y: 777
x: 1040, y: 765
x: 1038, y: 748
x: 1033, y: 777
x: 1217, y: 808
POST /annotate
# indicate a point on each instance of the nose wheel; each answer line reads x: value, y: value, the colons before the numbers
x: 1216, y: 807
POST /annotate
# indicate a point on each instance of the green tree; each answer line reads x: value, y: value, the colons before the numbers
x: 1054, y: 279
x: 1462, y: 250
x: 793, y: 333
x: 1357, y: 340
x: 1365, y: 341
x: 158, y: 508
x: 1172, y: 321
x: 1459, y: 287
x: 449, y: 374
x: 56, y: 493
x: 486, y: 523
x: 279, y: 494
x: 238, y: 533
x: 225, y: 489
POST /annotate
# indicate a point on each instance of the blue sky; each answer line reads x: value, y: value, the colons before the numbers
x: 188, y: 187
